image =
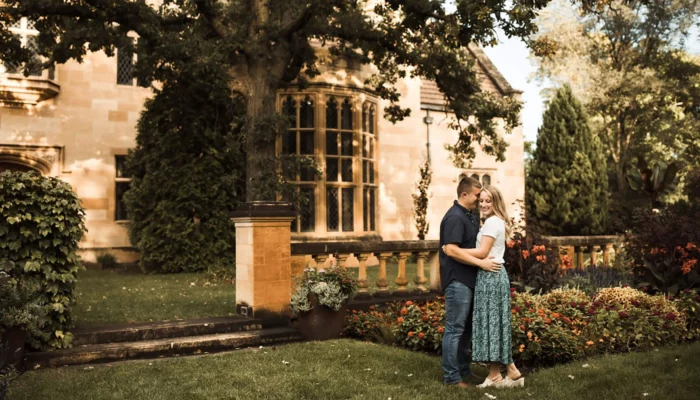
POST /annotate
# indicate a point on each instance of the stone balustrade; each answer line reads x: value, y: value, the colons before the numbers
x: 595, y: 246
x: 360, y: 254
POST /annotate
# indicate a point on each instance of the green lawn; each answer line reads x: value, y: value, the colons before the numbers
x: 347, y: 369
x: 118, y: 297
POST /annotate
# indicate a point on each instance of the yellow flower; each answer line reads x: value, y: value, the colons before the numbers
x: 600, y: 340
x: 589, y: 343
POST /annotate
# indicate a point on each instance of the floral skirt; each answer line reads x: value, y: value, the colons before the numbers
x: 491, y: 329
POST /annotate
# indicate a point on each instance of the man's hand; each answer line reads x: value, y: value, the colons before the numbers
x: 489, y: 265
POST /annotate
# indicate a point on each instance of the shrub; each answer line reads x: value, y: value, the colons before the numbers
x: 530, y: 265
x: 44, y: 222
x: 421, y: 326
x: 20, y: 305
x: 187, y: 174
x: 688, y: 304
x: 593, y: 277
x: 663, y: 251
x: 107, y: 260
x: 373, y: 325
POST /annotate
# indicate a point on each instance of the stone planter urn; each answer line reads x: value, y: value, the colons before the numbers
x: 13, y: 341
x: 321, y: 322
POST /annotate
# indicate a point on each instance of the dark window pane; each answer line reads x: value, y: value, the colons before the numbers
x: 365, y: 149
x: 365, y: 209
x: 346, y: 143
x: 307, y: 174
x: 290, y: 110
x: 332, y: 209
x: 120, y: 166
x: 306, y: 114
x: 125, y: 66
x: 347, y: 169
x: 371, y: 148
x: 372, y: 208
x: 371, y: 120
x: 332, y: 114
x: 306, y: 142
x: 346, y: 115
x: 332, y: 169
x: 364, y: 171
x: 289, y: 143
x: 332, y: 143
x: 308, y: 212
x: 348, y: 210
x: 475, y: 176
x: 295, y: 225
x: 486, y: 180
x: 120, y: 211
x: 370, y: 171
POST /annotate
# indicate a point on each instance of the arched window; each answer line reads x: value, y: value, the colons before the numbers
x: 486, y: 180
x: 341, y: 131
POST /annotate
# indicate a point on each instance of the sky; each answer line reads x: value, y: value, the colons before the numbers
x: 511, y: 57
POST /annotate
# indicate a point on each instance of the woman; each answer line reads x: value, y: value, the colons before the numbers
x: 491, y: 332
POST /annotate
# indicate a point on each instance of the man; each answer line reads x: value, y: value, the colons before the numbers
x: 459, y: 227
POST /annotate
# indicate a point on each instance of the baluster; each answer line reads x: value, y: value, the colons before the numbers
x: 593, y: 250
x: 342, y: 258
x: 321, y: 261
x: 606, y: 255
x: 362, y: 282
x: 616, y: 249
x: 420, y: 272
x: 401, y: 280
x: 434, y: 263
x: 382, y: 282
x: 579, y: 257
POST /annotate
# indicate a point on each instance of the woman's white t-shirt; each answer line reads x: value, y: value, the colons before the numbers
x: 496, y: 228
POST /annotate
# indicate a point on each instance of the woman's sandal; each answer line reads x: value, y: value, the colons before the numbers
x: 508, y: 382
x: 488, y: 383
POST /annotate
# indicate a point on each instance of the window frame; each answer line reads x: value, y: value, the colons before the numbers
x: 120, y: 181
x: 357, y: 99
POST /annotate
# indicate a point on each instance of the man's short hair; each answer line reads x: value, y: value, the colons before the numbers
x: 466, y: 185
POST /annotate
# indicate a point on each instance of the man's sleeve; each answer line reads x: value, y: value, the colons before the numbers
x: 454, y: 231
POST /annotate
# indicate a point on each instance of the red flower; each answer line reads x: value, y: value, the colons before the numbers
x: 371, y: 308
x: 572, y: 304
x: 622, y: 314
x: 513, y: 289
x: 425, y: 318
x: 409, y: 303
x: 441, y: 330
x: 421, y: 335
x: 399, y: 320
x: 697, y: 298
x: 644, y: 288
x: 671, y: 316
x: 404, y: 311
x: 516, y: 308
x: 635, y: 303
x: 512, y: 294
x: 666, y: 325
x: 411, y: 334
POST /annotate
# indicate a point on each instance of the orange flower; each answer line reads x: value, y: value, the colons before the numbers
x: 400, y: 320
x: 441, y: 330
x: 600, y: 340
x: 529, y: 335
x: 525, y: 254
x: 522, y: 348
x: 547, y: 321
x: 404, y: 311
x: 589, y: 343
x: 510, y: 244
x: 522, y: 328
x: 411, y: 334
x: 421, y: 335
x: 425, y: 318
x: 409, y: 303
x: 556, y: 315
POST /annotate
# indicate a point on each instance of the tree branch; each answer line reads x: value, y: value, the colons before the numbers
x: 209, y: 14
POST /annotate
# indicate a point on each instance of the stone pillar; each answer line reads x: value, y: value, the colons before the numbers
x: 401, y: 281
x: 434, y: 264
x: 420, y: 278
x: 263, y: 260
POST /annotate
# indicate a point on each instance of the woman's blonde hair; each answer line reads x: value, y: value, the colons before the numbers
x: 499, y: 207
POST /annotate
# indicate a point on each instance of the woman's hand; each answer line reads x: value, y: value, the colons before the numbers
x: 489, y: 265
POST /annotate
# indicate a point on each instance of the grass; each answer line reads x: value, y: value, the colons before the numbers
x: 347, y: 369
x: 118, y: 297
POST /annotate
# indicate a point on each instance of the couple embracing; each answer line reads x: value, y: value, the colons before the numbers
x: 476, y: 286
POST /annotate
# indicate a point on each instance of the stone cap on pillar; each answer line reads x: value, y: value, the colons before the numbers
x: 264, y: 209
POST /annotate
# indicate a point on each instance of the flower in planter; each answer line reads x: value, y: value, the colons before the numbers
x: 333, y: 287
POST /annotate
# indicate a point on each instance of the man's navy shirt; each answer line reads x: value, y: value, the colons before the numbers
x: 458, y: 227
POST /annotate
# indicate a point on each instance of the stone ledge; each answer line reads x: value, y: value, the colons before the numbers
x: 192, y: 345
x: 364, y: 247
x: 581, y: 240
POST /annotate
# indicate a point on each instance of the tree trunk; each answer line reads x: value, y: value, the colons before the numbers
x: 261, y: 132
x: 621, y: 178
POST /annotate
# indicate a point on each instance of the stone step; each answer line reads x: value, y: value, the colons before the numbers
x: 190, y: 345
x: 163, y: 330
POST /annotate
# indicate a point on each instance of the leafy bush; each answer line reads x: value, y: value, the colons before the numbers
x: 187, y: 174
x: 107, y: 260
x: 560, y: 326
x: 531, y: 266
x: 663, y: 251
x: 7, y: 374
x: 594, y: 277
x: 44, y: 222
x: 20, y: 305
x: 333, y: 287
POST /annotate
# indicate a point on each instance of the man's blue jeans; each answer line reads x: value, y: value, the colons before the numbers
x: 458, y: 332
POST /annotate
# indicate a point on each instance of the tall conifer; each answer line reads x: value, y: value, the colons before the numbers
x: 567, y: 185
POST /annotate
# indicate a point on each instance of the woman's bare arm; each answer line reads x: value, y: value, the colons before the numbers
x: 463, y: 256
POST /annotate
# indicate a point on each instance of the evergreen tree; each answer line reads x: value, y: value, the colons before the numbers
x: 188, y: 172
x: 567, y: 189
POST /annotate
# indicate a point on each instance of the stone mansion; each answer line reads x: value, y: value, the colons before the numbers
x: 78, y: 121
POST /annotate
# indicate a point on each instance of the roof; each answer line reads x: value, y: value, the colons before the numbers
x: 431, y: 97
